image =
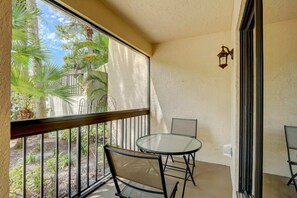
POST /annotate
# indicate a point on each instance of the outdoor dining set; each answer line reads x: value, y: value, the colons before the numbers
x: 142, y: 173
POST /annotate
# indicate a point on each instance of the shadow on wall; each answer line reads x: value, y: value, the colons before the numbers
x: 158, y: 124
x: 127, y: 71
x: 204, y: 134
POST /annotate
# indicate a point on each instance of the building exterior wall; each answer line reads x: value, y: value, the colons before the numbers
x: 127, y: 77
x: 5, y: 48
x: 187, y: 82
x: 280, y: 92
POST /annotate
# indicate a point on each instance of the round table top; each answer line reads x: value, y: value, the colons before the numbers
x: 168, y: 144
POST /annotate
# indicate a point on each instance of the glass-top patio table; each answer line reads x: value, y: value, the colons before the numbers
x: 170, y: 144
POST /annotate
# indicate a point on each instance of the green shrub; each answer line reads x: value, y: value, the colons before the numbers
x: 84, y: 131
x: 16, y: 180
x: 63, y: 162
x: 33, y: 181
x: 30, y: 158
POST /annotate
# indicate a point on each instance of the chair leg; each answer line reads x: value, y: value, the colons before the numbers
x: 165, y: 163
x: 193, y: 165
x: 292, y: 179
x: 294, y: 182
x: 172, y: 158
x: 193, y: 158
x: 174, y: 192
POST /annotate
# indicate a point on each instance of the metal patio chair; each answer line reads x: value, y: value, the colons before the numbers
x: 291, y: 140
x: 141, y: 173
x: 182, y: 126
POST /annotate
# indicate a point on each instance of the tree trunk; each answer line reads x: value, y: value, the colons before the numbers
x: 89, y: 37
x: 23, y: 114
x: 40, y: 103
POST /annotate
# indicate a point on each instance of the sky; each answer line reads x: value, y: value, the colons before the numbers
x: 50, y: 17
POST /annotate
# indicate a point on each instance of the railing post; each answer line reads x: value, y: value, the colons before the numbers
x: 24, y: 165
x: 41, y: 164
x: 78, y: 160
x: 69, y: 163
x: 103, y: 151
x: 88, y: 157
x: 110, y: 133
x: 57, y: 163
x: 96, y: 158
x: 122, y: 133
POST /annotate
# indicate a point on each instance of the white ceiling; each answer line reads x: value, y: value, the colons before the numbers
x: 165, y: 20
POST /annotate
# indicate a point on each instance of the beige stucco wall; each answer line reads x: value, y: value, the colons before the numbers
x: 186, y: 82
x: 127, y: 77
x: 280, y: 92
x: 99, y: 14
x: 238, y: 9
x: 5, y: 47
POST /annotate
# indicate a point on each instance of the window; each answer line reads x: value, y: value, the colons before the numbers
x: 64, y: 66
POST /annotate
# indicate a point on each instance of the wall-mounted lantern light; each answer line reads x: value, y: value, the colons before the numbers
x: 223, y: 56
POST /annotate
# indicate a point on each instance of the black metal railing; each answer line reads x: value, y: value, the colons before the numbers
x: 64, y: 157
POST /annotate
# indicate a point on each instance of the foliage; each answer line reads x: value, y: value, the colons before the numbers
x: 51, y: 164
x: 26, y: 49
x: 25, y: 45
x: 30, y: 158
x: 20, y: 101
x: 98, y: 77
x: 63, y: 162
x: 33, y: 181
x: 84, y: 130
x: 100, y: 149
x: 87, y: 52
x: 44, y: 82
x: 15, y: 180
x: 84, y: 136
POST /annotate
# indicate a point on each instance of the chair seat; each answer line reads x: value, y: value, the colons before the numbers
x: 130, y: 192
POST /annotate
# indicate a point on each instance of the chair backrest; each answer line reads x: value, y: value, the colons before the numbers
x: 183, y: 126
x: 291, y: 138
x: 143, y: 168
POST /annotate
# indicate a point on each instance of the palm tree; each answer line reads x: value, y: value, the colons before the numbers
x: 88, y: 52
x: 44, y: 83
x: 28, y: 48
x: 24, y: 44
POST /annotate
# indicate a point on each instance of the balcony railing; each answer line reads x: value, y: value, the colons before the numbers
x: 68, y: 151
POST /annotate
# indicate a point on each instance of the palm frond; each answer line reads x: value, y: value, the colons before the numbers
x: 22, y: 83
x: 48, y: 77
x: 102, y: 90
x: 21, y: 51
x: 22, y: 16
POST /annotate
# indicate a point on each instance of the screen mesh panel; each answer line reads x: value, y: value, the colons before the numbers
x: 136, y: 168
x: 291, y: 135
x: 184, y: 127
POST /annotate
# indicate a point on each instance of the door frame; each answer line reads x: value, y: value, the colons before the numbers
x: 251, y: 91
